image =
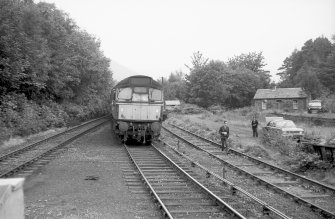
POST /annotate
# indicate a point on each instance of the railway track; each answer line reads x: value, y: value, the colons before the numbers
x: 182, y: 194
x: 24, y: 160
x: 317, y: 196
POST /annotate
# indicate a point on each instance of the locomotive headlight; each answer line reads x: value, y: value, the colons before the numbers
x: 156, y: 127
x: 123, y: 126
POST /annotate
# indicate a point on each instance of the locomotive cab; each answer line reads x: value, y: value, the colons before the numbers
x: 137, y: 108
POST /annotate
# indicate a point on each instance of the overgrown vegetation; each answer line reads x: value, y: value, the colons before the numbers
x: 298, y: 157
x: 233, y: 83
x: 51, y: 71
x: 292, y: 154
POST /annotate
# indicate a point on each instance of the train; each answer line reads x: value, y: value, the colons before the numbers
x: 137, y: 109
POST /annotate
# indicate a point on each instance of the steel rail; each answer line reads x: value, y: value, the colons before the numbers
x: 20, y: 150
x: 324, y: 186
x: 232, y: 185
x: 275, y: 188
x: 188, y: 177
x: 207, y: 191
x: 31, y: 161
x: 166, y: 211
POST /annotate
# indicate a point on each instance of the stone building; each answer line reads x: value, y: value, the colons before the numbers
x: 286, y: 99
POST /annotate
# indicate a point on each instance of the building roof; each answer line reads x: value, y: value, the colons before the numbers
x: 172, y: 102
x: 280, y: 93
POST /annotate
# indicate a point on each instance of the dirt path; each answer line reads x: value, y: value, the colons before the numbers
x: 87, y: 181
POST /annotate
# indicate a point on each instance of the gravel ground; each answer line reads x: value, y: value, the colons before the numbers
x: 88, y: 181
x: 283, y: 204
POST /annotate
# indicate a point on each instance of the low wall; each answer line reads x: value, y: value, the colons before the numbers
x: 317, y: 121
x: 11, y: 198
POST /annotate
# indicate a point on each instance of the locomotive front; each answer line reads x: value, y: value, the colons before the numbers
x: 137, y: 108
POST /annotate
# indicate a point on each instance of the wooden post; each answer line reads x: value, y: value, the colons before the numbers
x: 224, y: 171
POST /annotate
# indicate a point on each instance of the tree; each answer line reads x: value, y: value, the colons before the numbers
x: 205, y: 86
x: 46, y: 62
x: 175, y: 87
x: 309, y: 81
x: 254, y: 62
x: 198, y: 61
x: 176, y: 76
x: 312, y: 67
x: 217, y: 84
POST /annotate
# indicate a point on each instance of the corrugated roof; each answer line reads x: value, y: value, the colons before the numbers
x: 280, y: 93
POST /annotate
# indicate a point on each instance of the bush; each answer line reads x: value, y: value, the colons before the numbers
x: 19, y: 116
x: 299, y: 157
x: 5, y: 133
x: 275, y: 140
x: 301, y: 161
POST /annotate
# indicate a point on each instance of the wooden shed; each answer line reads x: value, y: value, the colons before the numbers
x: 287, y: 99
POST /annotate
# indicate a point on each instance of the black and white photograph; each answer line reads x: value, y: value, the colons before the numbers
x: 152, y: 109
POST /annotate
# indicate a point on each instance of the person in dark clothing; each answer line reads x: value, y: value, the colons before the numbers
x: 224, y: 132
x: 254, y: 124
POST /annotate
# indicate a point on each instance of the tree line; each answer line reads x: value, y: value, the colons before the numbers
x: 51, y: 70
x: 312, y: 67
x: 233, y: 83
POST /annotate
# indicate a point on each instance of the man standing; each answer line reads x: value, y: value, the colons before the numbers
x: 254, y: 124
x: 224, y: 132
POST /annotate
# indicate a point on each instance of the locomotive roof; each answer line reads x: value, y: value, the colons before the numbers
x: 132, y: 82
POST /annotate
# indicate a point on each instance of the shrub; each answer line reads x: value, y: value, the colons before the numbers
x: 301, y: 161
x: 276, y: 140
x: 5, y: 133
x: 30, y: 121
x: 299, y: 157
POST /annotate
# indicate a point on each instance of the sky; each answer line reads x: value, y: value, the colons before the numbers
x: 156, y: 37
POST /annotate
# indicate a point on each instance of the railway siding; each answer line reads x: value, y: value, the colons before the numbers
x: 25, y: 160
x: 306, y: 191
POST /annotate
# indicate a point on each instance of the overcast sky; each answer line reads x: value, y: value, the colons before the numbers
x: 156, y: 37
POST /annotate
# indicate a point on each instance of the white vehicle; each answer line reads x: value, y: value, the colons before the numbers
x: 284, y: 127
x: 314, y: 106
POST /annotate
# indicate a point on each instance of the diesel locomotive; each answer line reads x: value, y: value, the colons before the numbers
x: 137, y: 105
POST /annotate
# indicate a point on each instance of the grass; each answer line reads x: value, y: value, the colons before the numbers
x: 323, y: 134
x: 12, y: 142
x: 17, y: 140
x: 277, y: 149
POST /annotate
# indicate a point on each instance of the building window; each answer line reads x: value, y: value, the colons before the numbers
x: 264, y: 105
x: 295, y: 104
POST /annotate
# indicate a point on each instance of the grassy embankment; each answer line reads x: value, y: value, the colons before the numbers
x: 275, y: 149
